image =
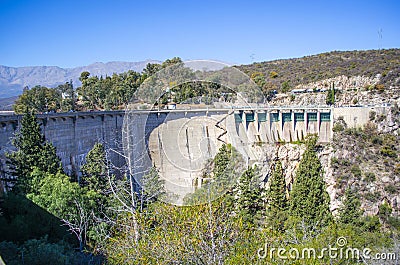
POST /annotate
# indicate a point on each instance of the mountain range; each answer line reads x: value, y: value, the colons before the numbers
x: 14, y: 79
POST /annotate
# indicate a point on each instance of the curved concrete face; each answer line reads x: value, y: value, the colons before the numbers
x: 178, y: 144
x: 180, y: 148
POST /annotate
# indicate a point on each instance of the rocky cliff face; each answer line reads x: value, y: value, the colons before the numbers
x: 366, y: 159
x: 344, y: 82
x: 354, y: 90
x: 290, y: 156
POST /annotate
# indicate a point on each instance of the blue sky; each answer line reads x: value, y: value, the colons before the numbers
x: 74, y: 33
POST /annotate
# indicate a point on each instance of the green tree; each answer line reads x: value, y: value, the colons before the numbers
x: 32, y: 151
x: 169, y: 62
x: 84, y: 76
x: 226, y: 167
x: 277, y: 201
x: 152, y: 187
x: 350, y: 212
x: 309, y: 200
x: 330, y: 96
x: 54, y: 192
x: 385, y: 211
x: 285, y: 86
x: 37, y: 100
x: 222, y: 160
x: 248, y: 192
x: 151, y: 69
x: 94, y: 171
x: 74, y: 205
x: 219, y: 176
x: 110, y: 92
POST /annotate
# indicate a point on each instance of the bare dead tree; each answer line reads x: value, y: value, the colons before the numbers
x: 302, y: 232
x: 78, y: 223
x: 126, y: 189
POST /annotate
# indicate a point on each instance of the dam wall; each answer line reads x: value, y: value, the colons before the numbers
x: 73, y: 134
x: 179, y: 142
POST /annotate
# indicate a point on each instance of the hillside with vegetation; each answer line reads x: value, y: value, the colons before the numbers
x: 284, y: 75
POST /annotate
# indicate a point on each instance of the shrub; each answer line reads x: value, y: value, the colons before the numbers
x: 334, y: 162
x: 369, y: 177
x: 273, y: 74
x: 372, y: 115
x: 372, y: 196
x: 394, y: 222
x: 380, y: 87
x: 389, y: 152
x: 9, y: 252
x: 377, y: 140
x: 370, y: 223
x: 391, y: 189
x: 338, y: 127
x: 385, y: 210
x: 356, y: 171
x: 370, y: 129
x: 397, y: 169
x: 345, y: 162
x: 381, y: 117
x: 285, y: 86
x: 42, y: 252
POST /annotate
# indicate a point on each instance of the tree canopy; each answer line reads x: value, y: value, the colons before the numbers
x: 309, y: 200
x: 32, y: 151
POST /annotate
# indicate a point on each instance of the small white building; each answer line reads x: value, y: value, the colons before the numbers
x: 298, y: 91
x: 171, y: 106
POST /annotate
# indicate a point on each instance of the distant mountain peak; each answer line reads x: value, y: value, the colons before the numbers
x: 14, y: 79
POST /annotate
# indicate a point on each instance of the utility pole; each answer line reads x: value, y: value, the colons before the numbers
x: 380, y: 38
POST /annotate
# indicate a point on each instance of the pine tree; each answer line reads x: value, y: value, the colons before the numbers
x: 330, y: 97
x: 221, y: 161
x: 94, y: 171
x: 49, y: 161
x: 219, y: 175
x: 249, y: 201
x: 224, y: 167
x: 152, y: 187
x: 309, y: 199
x: 384, y: 212
x: 350, y: 212
x: 32, y: 152
x: 277, y: 200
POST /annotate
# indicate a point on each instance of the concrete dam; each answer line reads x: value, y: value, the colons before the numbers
x: 178, y: 142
